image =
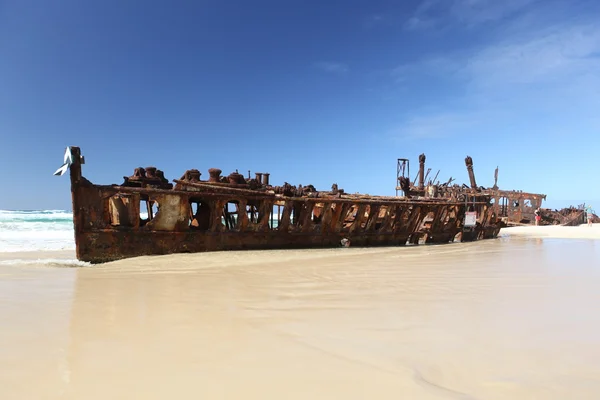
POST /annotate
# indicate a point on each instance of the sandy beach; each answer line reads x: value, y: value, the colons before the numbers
x: 554, y: 231
x: 510, y: 318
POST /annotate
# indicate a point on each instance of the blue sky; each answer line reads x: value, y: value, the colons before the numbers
x: 310, y: 91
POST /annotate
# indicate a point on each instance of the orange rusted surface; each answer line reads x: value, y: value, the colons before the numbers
x: 508, y: 207
x: 147, y: 214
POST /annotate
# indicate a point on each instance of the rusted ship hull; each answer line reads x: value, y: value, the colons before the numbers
x: 98, y: 247
x: 148, y: 216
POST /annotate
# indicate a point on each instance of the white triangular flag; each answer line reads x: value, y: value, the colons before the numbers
x: 68, y: 156
x: 62, y: 170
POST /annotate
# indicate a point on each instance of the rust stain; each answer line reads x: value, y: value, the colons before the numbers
x: 147, y: 214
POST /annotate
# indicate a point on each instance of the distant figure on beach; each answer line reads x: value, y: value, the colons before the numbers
x: 538, y: 216
x: 345, y: 242
x: 590, y: 214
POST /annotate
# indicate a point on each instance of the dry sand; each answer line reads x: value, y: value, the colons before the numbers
x: 512, y: 318
x: 555, y: 231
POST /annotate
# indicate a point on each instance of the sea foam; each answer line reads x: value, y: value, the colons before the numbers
x: 36, y: 230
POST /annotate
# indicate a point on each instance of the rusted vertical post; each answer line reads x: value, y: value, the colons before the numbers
x: 266, y: 178
x: 75, y: 167
x: 75, y: 174
x: 422, y: 171
x: 469, y: 164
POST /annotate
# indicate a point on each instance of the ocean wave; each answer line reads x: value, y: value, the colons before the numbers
x: 47, y: 262
x: 36, y: 216
x: 34, y: 212
x: 35, y: 226
x: 36, y: 230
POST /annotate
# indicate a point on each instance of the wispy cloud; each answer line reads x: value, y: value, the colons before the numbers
x: 332, y: 67
x: 437, y: 125
x: 549, y: 73
x: 475, y: 12
x: 439, y: 13
x: 559, y: 55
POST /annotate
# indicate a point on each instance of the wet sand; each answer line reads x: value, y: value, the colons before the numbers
x: 511, y: 318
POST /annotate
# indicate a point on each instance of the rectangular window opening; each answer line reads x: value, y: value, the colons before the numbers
x: 199, y: 214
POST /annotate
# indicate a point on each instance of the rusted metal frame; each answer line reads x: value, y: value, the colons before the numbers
x: 447, y: 226
x: 307, y: 210
x: 386, y: 225
x: 284, y: 224
x: 150, y: 200
x: 373, y: 217
x: 220, y: 187
x: 360, y: 213
x: 264, y: 213
x: 415, y: 220
x: 223, y: 199
x: 337, y: 220
x: 456, y: 222
x: 251, y: 209
x: 76, y: 187
x: 234, y: 216
x: 481, y: 214
x: 447, y: 223
x: 149, y: 211
x: 121, y: 207
x: 298, y: 214
x: 225, y: 217
x: 216, y: 214
x: 327, y: 218
x: 242, y: 219
x: 279, y: 211
x: 321, y: 197
x: 461, y: 212
x: 270, y: 217
x: 469, y: 164
x: 436, y: 223
x: 349, y: 215
x: 427, y: 232
x: 382, y: 216
x: 402, y: 218
x: 405, y: 222
x: 253, y: 195
x: 443, y: 219
x: 425, y: 211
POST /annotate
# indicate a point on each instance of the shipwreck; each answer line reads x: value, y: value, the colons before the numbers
x: 510, y: 207
x: 148, y: 215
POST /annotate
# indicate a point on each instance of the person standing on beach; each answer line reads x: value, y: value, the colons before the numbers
x: 538, y: 216
x: 590, y: 215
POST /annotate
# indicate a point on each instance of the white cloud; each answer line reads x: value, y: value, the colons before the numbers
x: 332, y: 67
x: 438, y: 13
x: 562, y: 55
x: 550, y: 73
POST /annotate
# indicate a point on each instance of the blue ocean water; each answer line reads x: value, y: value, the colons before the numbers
x: 36, y: 230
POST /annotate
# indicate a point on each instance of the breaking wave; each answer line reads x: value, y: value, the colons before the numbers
x: 36, y: 230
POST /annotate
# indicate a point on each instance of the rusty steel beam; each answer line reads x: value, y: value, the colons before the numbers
x: 421, y: 171
x: 469, y: 164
